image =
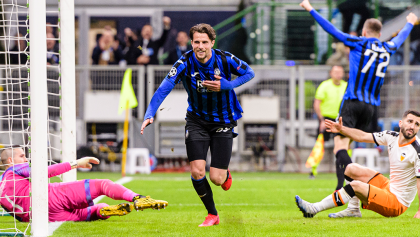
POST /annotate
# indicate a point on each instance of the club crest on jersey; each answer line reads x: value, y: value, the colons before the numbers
x: 402, y: 156
x: 172, y: 72
x: 217, y: 71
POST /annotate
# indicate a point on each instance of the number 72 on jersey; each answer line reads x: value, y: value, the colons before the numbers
x: 373, y: 56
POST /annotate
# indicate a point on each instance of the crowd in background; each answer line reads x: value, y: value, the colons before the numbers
x: 138, y: 49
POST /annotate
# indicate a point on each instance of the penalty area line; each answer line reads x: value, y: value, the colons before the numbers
x: 53, y: 226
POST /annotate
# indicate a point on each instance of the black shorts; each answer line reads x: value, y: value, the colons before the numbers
x: 200, y: 135
x: 358, y: 114
x: 327, y: 135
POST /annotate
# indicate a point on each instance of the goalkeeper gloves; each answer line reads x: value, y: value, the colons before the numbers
x: 84, y: 162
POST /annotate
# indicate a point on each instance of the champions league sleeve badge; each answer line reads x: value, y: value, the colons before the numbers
x: 172, y: 72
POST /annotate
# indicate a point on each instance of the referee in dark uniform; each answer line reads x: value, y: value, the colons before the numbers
x: 212, y: 112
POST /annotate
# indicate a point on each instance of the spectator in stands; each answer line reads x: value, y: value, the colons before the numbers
x: 106, y: 52
x: 52, y: 53
x: 129, y: 39
x: 182, y: 47
x: 145, y: 50
x: 327, y: 101
x: 340, y: 57
x: 18, y: 56
x: 348, y: 8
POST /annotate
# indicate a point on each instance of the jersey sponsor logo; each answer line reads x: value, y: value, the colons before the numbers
x: 194, y: 74
x: 201, y: 88
x: 402, y: 156
x: 172, y: 72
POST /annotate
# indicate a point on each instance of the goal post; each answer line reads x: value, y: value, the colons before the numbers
x: 37, y: 101
x: 39, y: 117
x: 68, y: 82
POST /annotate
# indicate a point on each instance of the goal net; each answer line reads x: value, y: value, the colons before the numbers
x: 31, y: 109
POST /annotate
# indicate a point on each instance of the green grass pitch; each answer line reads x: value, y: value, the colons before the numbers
x: 258, y: 204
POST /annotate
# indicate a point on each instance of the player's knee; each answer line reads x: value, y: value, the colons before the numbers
x: 352, y: 170
x: 105, y: 181
x: 216, y: 179
x: 356, y: 185
x: 198, y: 173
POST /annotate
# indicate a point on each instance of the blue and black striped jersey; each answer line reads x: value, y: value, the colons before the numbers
x: 220, y: 107
x: 369, y: 59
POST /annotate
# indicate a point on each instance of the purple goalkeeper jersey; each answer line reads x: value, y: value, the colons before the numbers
x: 15, y: 188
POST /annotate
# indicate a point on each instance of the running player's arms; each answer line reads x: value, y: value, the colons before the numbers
x: 352, y: 133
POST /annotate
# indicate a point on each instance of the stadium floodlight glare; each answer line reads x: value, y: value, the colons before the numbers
x: 37, y: 110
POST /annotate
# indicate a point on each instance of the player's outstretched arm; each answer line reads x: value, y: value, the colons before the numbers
x: 164, y: 89
x: 412, y: 18
x: 417, y: 215
x: 326, y: 25
x: 352, y: 133
x: 61, y: 168
x: 405, y: 32
x: 85, y: 162
x: 306, y: 5
x: 146, y: 123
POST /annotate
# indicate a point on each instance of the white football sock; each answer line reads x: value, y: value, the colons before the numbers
x: 331, y: 200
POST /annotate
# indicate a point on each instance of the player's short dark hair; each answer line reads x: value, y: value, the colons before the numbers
x: 373, y: 25
x: 204, y: 29
x: 411, y: 111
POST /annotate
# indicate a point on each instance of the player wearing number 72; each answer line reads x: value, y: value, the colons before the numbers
x: 369, y: 58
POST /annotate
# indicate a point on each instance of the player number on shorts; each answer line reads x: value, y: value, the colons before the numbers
x: 384, y: 56
x: 223, y: 129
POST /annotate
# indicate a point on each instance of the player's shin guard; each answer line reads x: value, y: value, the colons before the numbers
x: 337, y: 199
x: 203, y: 189
x: 343, y: 159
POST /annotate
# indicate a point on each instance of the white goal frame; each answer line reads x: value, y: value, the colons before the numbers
x: 39, y: 104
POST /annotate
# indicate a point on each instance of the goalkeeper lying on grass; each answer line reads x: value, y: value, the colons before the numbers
x: 70, y: 201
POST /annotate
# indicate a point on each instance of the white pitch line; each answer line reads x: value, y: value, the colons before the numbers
x: 227, y: 204
x: 53, y: 226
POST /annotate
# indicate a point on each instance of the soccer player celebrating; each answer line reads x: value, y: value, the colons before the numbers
x: 369, y: 58
x: 389, y: 198
x: 71, y: 201
x: 212, y: 112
